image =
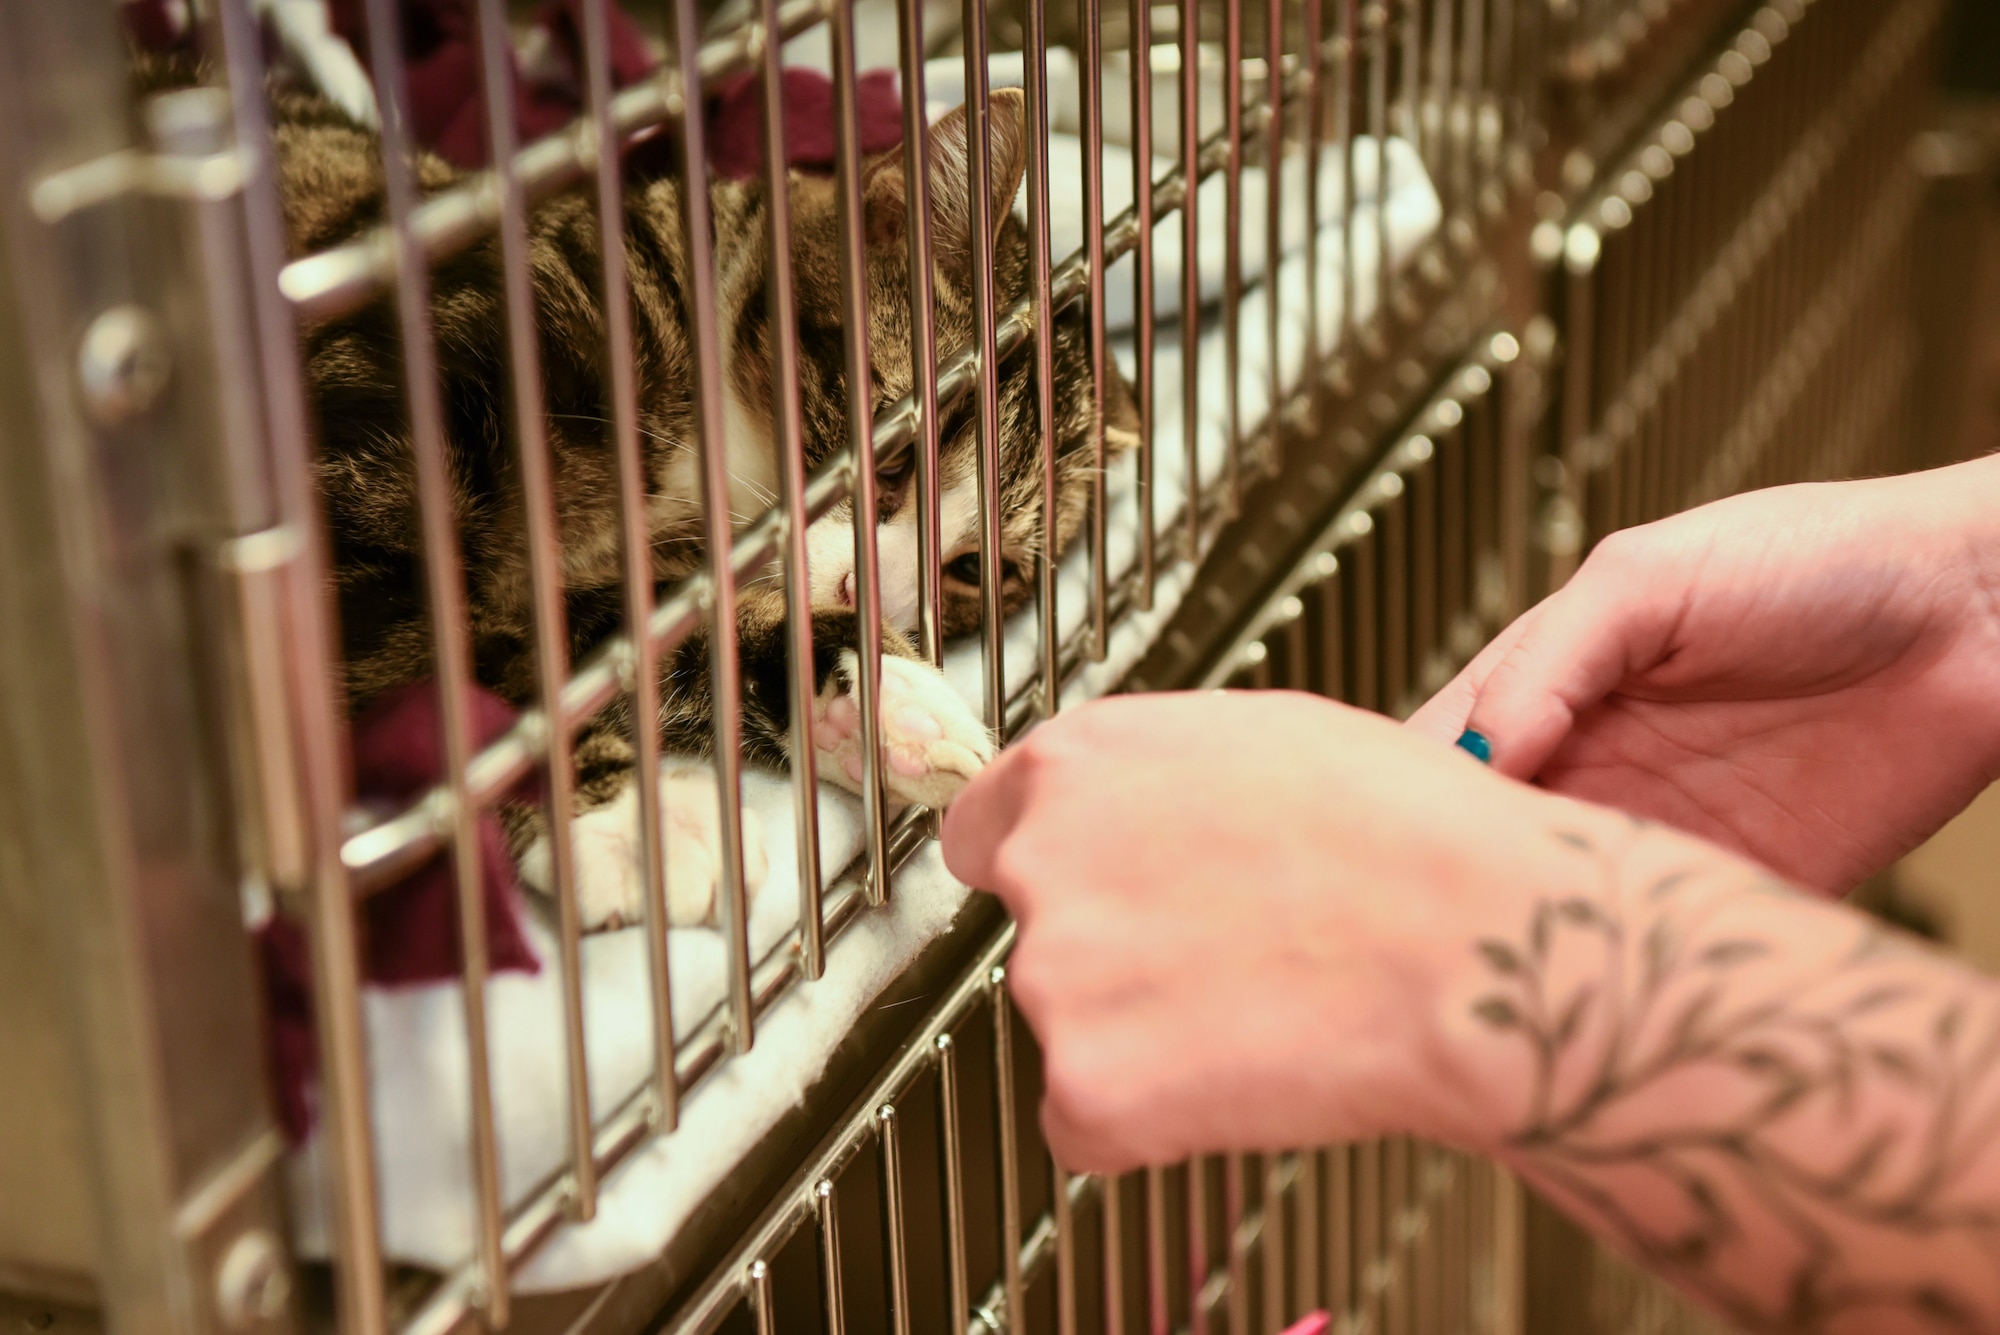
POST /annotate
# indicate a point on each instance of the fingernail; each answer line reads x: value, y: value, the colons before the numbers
x: 1475, y: 745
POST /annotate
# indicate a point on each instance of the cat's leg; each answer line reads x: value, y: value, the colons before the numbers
x: 932, y: 740
x: 606, y: 845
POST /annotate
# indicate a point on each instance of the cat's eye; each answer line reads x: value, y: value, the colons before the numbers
x: 966, y: 569
x: 889, y: 476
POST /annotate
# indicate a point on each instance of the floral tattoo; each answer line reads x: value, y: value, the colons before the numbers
x: 1802, y: 1127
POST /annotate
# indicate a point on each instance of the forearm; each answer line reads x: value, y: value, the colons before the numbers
x: 1771, y: 1102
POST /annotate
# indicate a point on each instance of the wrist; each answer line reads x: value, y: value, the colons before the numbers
x: 1552, y: 943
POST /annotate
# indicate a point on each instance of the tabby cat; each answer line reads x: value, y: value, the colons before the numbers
x: 332, y: 189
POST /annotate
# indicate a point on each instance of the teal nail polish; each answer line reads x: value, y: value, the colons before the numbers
x: 1475, y: 745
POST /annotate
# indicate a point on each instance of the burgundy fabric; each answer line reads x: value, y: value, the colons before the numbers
x: 441, y: 55
x: 291, y: 1054
x: 447, y: 112
x: 408, y: 931
x: 736, y: 121
x: 158, y: 26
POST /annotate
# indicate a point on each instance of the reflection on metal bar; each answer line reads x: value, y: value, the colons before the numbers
x: 923, y: 328
x: 985, y: 346
x: 861, y: 442
x: 826, y: 1212
x: 637, y: 555
x: 1190, y: 344
x: 1234, y: 1208
x: 338, y: 1027
x: 783, y: 1219
x: 1159, y: 1316
x: 1340, y: 1214
x: 1440, y: 154
x: 1113, y: 1215
x: 1090, y: 21
x: 724, y: 667
x: 951, y: 1174
x: 1009, y: 1147
x: 1145, y: 390
x: 895, y: 1255
x: 1346, y: 89
x: 1369, y: 1278
x: 1036, y: 1255
x: 342, y: 279
x: 1199, y: 1245
x: 1048, y: 627
x: 1395, y: 1236
x: 1274, y: 1241
x: 545, y: 582
x: 1308, y: 1295
x: 1469, y: 112
x: 445, y: 588
x: 1315, y: 139
x: 1063, y: 1217
x: 1375, y: 21
x: 1232, y: 236
x: 1274, y: 230
x: 787, y: 439
x: 761, y: 1304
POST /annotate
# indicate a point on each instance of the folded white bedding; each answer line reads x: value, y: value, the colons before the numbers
x: 416, y: 1035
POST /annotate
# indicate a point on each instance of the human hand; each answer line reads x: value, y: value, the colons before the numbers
x: 1808, y: 675
x: 1237, y: 915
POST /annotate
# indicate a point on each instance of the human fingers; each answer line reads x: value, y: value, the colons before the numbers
x: 1443, y: 715
x: 979, y: 822
x: 1614, y: 619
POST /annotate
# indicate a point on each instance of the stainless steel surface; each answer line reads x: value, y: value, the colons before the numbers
x: 788, y: 439
x: 1007, y: 1146
x: 1048, y: 626
x: 136, y: 1114
x: 1189, y: 116
x: 636, y: 566
x: 1090, y: 54
x: 895, y: 1244
x: 1145, y: 386
x: 923, y: 328
x: 986, y: 358
x: 450, y: 637
x: 545, y: 583
x: 951, y: 1173
x: 827, y: 1215
x: 719, y: 606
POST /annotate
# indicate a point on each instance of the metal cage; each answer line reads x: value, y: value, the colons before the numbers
x: 1669, y: 261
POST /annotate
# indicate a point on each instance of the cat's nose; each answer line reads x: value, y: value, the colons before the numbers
x: 847, y: 590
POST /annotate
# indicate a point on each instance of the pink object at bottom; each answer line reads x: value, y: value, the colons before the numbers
x: 1319, y: 1323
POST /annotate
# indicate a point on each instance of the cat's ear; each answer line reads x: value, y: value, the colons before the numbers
x: 950, y: 179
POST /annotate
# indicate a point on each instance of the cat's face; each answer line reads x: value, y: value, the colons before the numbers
x: 823, y: 384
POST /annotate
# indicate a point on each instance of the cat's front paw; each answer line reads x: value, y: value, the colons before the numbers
x: 609, y: 858
x: 933, y: 742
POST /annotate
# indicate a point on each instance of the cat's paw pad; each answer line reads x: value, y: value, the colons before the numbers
x: 932, y: 740
x: 609, y: 858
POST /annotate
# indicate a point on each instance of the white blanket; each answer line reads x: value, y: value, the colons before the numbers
x: 416, y: 1035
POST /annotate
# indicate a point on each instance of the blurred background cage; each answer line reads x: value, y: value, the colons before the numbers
x: 1664, y: 250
